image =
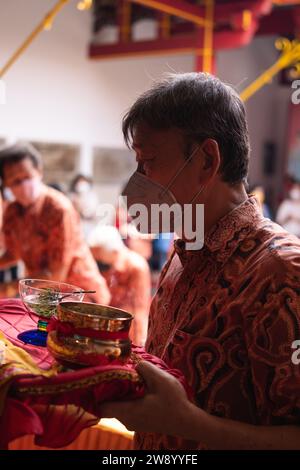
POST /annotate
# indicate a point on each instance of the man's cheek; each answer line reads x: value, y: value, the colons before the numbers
x: 18, y: 194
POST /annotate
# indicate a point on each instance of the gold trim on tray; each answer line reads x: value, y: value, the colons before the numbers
x: 82, y: 383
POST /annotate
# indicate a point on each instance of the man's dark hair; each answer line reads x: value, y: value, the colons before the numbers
x: 16, y: 153
x: 202, y: 107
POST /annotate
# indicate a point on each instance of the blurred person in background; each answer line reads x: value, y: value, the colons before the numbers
x: 42, y: 228
x: 258, y: 191
x: 7, y: 289
x: 12, y: 273
x: 161, y: 247
x: 288, y: 214
x: 127, y: 275
x: 136, y: 241
x: 56, y: 186
x: 133, y: 239
x: 85, y: 201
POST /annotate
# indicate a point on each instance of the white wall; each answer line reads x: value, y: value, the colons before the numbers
x: 55, y: 93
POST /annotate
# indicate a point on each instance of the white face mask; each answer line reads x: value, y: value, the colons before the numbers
x: 295, y: 194
x: 82, y: 187
x: 141, y: 192
x: 27, y: 192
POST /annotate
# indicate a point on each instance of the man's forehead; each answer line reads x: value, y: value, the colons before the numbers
x: 147, y: 137
x: 14, y: 168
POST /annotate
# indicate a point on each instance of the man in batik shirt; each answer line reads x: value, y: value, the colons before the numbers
x: 226, y: 315
x: 42, y: 228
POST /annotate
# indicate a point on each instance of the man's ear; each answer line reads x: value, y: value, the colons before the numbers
x: 212, y: 157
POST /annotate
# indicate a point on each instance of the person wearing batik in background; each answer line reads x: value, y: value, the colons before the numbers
x: 135, y: 241
x: 258, y: 191
x: 42, y: 228
x: 13, y: 273
x: 6, y: 289
x: 288, y: 214
x: 225, y: 315
x: 127, y: 275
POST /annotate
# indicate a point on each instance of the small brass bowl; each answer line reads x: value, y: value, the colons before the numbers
x: 81, y: 347
x: 95, y: 316
x: 82, y: 352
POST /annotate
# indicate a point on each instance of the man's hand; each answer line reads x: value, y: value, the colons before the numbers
x: 163, y: 408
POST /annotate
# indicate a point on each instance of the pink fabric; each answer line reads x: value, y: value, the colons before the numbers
x: 14, y: 319
x: 69, y: 401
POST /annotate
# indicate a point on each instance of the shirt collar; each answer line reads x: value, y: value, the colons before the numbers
x: 225, y: 236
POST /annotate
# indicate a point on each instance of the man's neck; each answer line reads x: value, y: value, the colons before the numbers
x: 217, y: 204
x: 220, y: 204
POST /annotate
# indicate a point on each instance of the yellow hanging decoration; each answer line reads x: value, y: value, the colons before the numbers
x: 45, y: 24
x: 290, y: 57
x: 85, y: 5
x: 295, y: 72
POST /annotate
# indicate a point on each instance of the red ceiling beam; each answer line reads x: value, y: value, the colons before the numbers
x: 192, y: 40
x: 257, y: 7
x: 179, y: 44
x: 231, y: 39
x: 296, y: 17
x: 183, y: 43
x: 196, y: 14
x: 281, y: 22
x: 179, y: 8
x: 286, y: 2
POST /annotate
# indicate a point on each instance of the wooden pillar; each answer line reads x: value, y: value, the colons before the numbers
x: 208, y: 46
x: 124, y: 20
x: 164, y: 22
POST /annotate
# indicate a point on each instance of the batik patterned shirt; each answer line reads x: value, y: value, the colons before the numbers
x: 227, y: 316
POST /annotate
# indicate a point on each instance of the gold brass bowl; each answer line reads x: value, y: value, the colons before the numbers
x: 95, y: 316
x: 98, y: 335
x: 82, y: 351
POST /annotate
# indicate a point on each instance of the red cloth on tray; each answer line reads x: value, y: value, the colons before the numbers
x: 56, y: 409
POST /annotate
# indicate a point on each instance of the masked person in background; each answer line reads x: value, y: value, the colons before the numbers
x: 42, y: 228
x: 288, y: 214
x: 127, y: 275
x: 85, y: 201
